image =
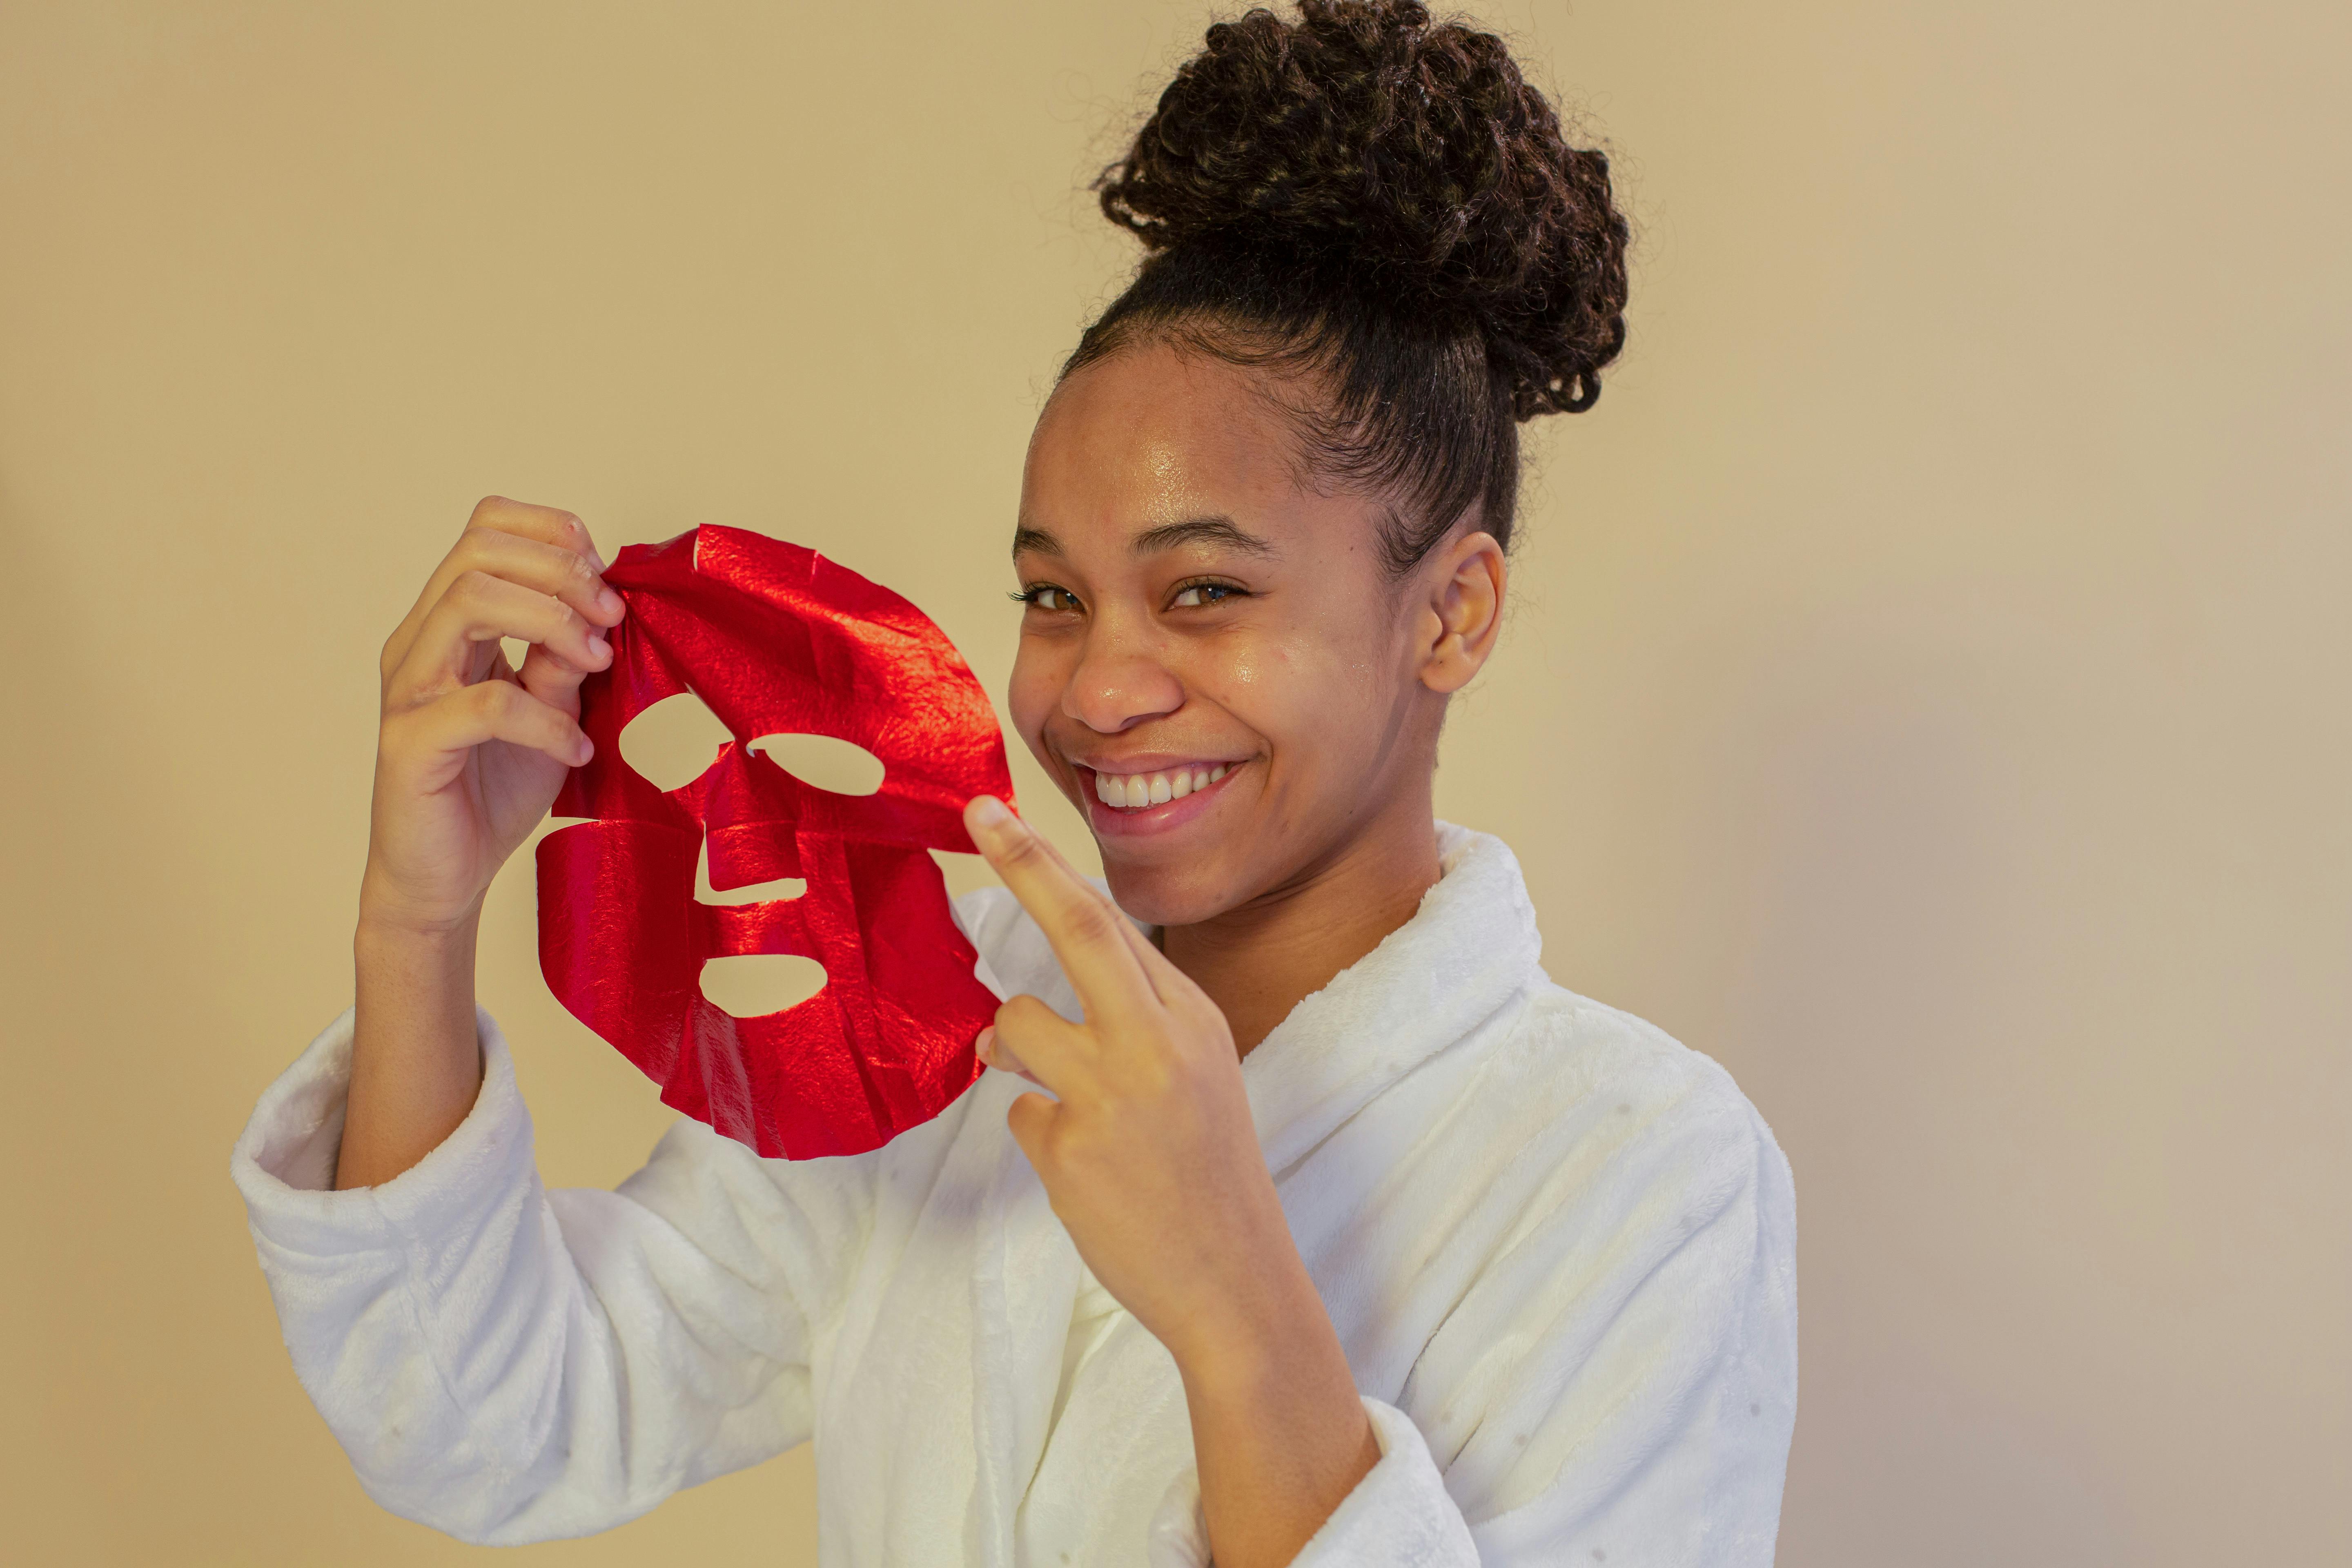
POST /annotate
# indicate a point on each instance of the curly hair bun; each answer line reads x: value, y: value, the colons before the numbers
x: 1403, y: 161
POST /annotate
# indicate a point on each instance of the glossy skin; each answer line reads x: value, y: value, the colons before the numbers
x: 1276, y: 641
x: 1190, y: 602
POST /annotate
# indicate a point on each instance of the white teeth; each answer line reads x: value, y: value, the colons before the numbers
x: 1130, y: 791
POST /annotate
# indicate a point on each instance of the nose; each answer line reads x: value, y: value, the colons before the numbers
x: 1120, y: 681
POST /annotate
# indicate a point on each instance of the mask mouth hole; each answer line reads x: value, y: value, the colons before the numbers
x: 754, y: 984
x: 838, y: 767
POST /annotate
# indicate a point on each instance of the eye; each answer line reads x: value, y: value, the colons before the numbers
x: 1195, y: 596
x: 1048, y: 597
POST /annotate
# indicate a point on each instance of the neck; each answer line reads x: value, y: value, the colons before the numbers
x: 1261, y: 959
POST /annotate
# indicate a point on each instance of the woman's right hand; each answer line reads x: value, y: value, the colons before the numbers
x: 471, y: 751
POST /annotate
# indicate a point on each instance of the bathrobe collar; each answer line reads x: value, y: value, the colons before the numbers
x: 1469, y: 952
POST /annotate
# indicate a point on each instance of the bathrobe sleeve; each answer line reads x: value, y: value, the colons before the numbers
x: 1615, y: 1382
x: 506, y: 1363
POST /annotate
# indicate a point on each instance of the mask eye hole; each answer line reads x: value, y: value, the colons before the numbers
x: 673, y: 743
x: 754, y: 984
x: 841, y: 767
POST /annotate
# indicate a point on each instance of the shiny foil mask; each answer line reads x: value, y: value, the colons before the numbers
x: 776, y: 639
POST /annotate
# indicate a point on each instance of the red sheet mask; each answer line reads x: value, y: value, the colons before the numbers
x: 776, y: 639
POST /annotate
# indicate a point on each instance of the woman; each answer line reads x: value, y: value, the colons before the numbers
x: 1345, y: 1236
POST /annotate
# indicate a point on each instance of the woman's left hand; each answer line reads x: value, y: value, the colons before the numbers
x: 1150, y: 1157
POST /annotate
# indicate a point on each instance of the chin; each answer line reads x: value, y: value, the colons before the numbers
x: 1165, y: 895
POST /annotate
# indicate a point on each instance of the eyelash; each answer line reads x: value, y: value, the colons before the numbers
x: 1228, y: 589
x: 1030, y: 596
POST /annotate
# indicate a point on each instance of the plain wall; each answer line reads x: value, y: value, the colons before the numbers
x: 1924, y: 692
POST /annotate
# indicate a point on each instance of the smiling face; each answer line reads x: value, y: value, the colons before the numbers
x: 1215, y: 663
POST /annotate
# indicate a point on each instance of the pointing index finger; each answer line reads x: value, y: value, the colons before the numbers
x: 1083, y: 927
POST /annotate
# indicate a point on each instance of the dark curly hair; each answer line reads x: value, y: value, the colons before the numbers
x: 1384, y: 208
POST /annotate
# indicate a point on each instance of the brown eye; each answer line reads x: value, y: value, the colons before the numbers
x: 1196, y: 595
x: 1044, y: 596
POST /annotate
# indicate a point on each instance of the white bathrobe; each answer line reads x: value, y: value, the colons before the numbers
x: 1558, y: 1247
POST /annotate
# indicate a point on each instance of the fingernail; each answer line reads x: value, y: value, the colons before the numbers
x: 984, y: 1047
x: 989, y: 812
x: 598, y: 646
x: 587, y: 750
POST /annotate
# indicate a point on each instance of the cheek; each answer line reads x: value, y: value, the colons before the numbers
x: 1317, y: 702
x: 1040, y: 671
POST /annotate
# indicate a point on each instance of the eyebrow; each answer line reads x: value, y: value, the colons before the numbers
x: 1210, y: 530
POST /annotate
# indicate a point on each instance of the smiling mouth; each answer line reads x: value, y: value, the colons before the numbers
x: 1134, y: 791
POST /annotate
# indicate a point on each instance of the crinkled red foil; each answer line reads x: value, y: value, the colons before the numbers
x: 776, y: 639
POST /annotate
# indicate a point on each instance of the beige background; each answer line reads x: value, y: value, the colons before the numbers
x: 1925, y: 691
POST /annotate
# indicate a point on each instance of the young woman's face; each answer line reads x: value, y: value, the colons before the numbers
x: 1215, y: 663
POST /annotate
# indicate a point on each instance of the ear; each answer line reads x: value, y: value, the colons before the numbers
x: 1464, y: 579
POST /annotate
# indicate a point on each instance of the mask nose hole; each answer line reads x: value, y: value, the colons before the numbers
x: 752, y: 893
x: 754, y: 984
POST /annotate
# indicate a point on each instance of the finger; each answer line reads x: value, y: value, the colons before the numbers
x: 553, y: 679
x: 479, y: 608
x: 491, y: 710
x: 992, y: 1054
x: 539, y: 547
x: 1041, y: 1045
x: 1155, y: 962
x: 548, y: 525
x: 1030, y: 1120
x: 1081, y: 926
x: 1165, y: 977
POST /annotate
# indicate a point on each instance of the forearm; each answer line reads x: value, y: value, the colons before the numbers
x: 416, y: 1059
x: 1279, y: 1434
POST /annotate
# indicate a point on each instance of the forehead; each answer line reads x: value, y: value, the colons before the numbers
x: 1151, y: 436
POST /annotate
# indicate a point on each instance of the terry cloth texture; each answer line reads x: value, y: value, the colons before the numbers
x: 1558, y: 1246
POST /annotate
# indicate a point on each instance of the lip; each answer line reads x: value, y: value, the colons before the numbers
x: 1128, y: 821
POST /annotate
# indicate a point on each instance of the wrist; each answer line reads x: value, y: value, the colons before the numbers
x: 391, y: 921
x: 416, y: 1055
x: 1279, y: 1432
x: 1249, y: 1339
x: 411, y: 967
